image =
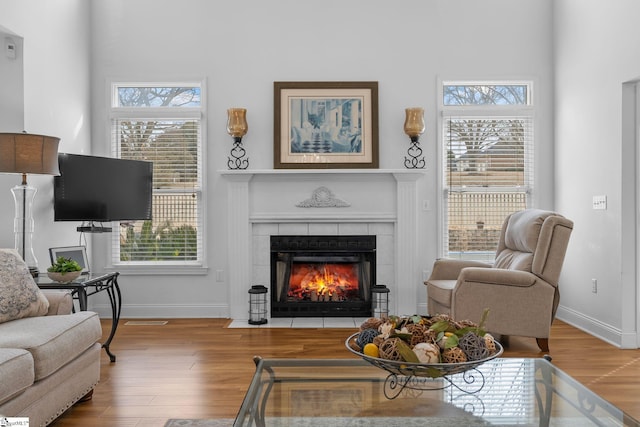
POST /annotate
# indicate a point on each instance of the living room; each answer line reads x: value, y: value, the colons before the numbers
x: 578, y: 54
x: 552, y: 43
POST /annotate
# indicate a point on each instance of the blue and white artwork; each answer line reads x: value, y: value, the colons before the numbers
x: 325, y: 125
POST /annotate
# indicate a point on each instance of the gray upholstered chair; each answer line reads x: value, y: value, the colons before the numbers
x: 520, y: 288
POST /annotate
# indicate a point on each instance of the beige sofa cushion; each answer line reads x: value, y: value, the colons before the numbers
x: 16, y: 372
x: 52, y: 340
x: 19, y: 295
x: 60, y: 302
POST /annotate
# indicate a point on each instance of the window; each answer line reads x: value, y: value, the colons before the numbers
x: 487, y: 140
x: 162, y: 123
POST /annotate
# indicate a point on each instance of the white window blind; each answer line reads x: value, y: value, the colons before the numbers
x: 488, y: 171
x: 162, y: 124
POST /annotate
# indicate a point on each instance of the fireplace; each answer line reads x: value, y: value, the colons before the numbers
x: 322, y: 276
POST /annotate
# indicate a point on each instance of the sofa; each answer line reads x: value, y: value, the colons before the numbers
x: 49, y: 356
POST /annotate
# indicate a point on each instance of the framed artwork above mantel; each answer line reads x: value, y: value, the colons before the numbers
x: 325, y: 125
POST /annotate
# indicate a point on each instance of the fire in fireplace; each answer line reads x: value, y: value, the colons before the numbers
x: 315, y: 276
x: 325, y: 281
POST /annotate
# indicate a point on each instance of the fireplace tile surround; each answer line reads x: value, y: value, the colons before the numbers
x: 262, y: 203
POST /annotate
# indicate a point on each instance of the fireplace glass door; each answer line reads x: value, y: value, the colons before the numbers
x: 331, y: 281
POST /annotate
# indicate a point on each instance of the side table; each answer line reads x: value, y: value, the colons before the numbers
x: 87, y: 285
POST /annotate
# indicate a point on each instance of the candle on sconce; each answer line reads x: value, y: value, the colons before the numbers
x: 237, y: 125
x: 414, y: 122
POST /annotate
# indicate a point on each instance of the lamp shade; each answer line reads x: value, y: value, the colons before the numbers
x: 237, y: 122
x: 414, y: 122
x: 28, y: 154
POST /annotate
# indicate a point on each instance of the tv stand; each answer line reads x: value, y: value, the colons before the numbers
x: 92, y: 228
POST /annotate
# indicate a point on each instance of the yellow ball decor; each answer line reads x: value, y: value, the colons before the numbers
x: 371, y: 350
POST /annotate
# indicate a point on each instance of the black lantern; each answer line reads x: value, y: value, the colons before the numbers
x: 380, y: 301
x: 257, y: 305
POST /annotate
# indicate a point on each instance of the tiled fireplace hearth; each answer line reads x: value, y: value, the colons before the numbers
x: 266, y: 203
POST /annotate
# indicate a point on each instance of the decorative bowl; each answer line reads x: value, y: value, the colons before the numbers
x: 431, y: 370
x: 66, y: 277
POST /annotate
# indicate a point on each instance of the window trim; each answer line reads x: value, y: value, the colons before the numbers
x: 200, y: 113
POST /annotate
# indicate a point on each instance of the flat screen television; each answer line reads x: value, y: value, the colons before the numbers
x: 102, y: 189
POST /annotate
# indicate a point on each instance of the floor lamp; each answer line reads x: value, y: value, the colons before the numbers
x: 24, y: 153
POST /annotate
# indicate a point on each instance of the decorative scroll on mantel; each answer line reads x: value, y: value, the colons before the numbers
x: 322, y: 197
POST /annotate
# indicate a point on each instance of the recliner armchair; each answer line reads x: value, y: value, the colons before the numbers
x: 520, y: 288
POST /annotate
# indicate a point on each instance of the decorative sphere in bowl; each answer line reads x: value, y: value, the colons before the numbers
x: 66, y: 277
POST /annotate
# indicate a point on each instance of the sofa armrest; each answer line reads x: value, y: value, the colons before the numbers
x: 449, y: 269
x: 497, y: 276
x: 60, y: 301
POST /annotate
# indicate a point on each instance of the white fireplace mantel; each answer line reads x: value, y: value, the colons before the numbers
x: 241, y: 216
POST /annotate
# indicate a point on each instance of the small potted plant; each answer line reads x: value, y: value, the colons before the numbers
x: 64, y: 270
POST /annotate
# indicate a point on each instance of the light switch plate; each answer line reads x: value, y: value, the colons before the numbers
x: 600, y: 202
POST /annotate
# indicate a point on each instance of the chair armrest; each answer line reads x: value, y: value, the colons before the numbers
x: 497, y: 276
x: 60, y: 301
x: 449, y: 269
x: 519, y: 302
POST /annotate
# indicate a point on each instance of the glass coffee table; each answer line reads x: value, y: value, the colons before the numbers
x: 351, y: 392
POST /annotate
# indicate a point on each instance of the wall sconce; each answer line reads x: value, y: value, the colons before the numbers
x: 237, y: 127
x: 24, y: 153
x: 414, y: 127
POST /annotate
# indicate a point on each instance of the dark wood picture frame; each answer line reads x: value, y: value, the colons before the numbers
x: 325, y: 125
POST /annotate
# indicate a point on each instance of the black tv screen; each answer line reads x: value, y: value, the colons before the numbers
x: 102, y: 189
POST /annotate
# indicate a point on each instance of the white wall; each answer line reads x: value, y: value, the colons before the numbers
x: 596, y: 52
x: 242, y: 47
x: 56, y: 102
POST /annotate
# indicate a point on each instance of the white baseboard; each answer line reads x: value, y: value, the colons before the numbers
x: 173, y: 311
x: 593, y: 327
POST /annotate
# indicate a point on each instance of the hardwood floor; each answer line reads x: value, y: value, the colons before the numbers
x: 198, y: 368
